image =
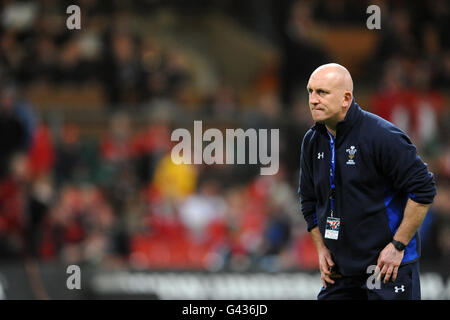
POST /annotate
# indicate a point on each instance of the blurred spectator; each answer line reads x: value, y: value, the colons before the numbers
x: 40, y: 200
x: 119, y: 178
x: 442, y: 73
x: 199, y: 211
x: 302, y: 52
x: 293, y: 131
x: 12, y: 55
x: 250, y: 221
x: 71, y: 69
x: 68, y: 154
x: 223, y: 103
x: 17, y: 126
x: 173, y: 181
x: 80, y: 227
x: 42, y: 66
x: 173, y: 75
x: 436, y: 14
x: 278, y: 232
x: 397, y: 37
x: 12, y: 209
x: 115, y: 147
x: 122, y: 68
x: 415, y: 107
x: 41, y: 153
x: 443, y: 164
x: 149, y: 146
x: 436, y: 237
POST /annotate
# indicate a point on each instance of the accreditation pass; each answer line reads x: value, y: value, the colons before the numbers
x: 332, y: 228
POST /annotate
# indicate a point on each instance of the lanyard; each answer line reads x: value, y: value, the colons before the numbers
x: 332, y: 173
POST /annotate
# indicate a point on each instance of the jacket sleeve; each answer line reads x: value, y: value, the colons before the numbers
x: 306, y: 188
x: 400, y: 161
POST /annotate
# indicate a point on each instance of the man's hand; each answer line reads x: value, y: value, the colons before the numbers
x: 390, y: 258
x: 325, y: 263
x: 388, y: 262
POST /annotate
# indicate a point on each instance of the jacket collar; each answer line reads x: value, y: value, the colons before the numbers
x: 352, y: 116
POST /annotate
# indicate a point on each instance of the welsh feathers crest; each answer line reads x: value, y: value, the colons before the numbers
x: 351, y: 154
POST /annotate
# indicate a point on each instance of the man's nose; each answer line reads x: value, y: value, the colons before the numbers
x: 313, y: 99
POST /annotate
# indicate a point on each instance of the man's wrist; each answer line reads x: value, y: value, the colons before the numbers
x: 400, y: 246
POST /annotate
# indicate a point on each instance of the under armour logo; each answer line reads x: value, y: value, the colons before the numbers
x: 399, y: 289
x: 320, y: 155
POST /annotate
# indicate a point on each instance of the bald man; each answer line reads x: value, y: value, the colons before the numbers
x: 364, y: 193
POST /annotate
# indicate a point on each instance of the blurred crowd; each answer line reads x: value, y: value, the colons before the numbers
x: 116, y: 199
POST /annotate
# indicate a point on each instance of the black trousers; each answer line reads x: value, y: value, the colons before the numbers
x: 405, y: 287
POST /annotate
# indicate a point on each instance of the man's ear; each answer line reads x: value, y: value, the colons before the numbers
x: 348, y: 97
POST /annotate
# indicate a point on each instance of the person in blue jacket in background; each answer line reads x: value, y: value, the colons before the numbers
x: 364, y: 193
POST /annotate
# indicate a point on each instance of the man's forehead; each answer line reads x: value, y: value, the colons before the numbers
x: 331, y: 76
x: 323, y: 81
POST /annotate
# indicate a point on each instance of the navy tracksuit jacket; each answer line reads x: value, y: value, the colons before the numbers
x: 376, y: 170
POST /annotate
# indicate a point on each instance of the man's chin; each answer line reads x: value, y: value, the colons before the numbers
x: 319, y: 120
x: 319, y: 117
